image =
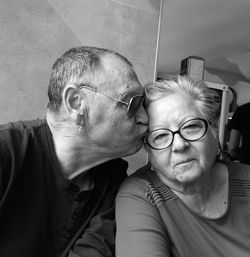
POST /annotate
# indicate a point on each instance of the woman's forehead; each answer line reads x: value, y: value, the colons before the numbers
x: 172, y: 109
x: 174, y: 101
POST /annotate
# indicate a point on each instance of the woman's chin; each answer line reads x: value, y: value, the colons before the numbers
x: 187, y: 172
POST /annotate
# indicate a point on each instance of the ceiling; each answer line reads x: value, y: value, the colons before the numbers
x: 216, y: 30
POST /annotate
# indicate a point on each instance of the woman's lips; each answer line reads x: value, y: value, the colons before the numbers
x: 184, y: 162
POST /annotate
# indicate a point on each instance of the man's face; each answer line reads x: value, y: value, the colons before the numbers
x: 116, y: 130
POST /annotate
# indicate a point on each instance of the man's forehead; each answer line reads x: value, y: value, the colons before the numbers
x: 114, y: 63
x: 122, y: 76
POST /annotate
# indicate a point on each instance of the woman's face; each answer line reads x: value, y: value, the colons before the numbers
x: 184, y: 161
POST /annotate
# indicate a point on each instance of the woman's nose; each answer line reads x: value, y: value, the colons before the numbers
x: 179, y: 143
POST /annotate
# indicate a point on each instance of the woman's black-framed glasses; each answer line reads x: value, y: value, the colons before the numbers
x: 132, y: 106
x: 190, y: 130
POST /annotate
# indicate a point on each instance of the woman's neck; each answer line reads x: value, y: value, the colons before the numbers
x: 210, y: 198
x: 207, y: 196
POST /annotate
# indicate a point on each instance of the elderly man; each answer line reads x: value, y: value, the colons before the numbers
x: 59, y: 176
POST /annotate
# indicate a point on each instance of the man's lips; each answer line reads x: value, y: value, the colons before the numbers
x: 143, y: 135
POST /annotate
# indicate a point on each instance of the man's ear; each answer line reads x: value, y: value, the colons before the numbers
x: 72, y: 100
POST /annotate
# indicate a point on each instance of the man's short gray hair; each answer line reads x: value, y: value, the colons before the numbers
x: 80, y: 65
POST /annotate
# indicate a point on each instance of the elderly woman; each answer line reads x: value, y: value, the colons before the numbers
x: 185, y: 202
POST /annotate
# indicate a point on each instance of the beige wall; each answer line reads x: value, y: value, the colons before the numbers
x: 34, y: 33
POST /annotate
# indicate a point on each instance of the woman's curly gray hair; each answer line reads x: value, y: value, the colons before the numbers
x: 206, y: 99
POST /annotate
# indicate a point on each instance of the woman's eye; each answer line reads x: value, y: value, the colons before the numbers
x: 161, y: 137
x: 192, y: 127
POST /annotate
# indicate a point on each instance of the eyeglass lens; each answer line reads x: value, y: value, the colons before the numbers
x: 191, y: 130
x: 134, y: 104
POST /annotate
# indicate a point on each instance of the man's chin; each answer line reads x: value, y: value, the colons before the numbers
x: 136, y: 147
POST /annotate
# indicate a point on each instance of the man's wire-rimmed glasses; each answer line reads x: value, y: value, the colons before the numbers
x: 190, y: 130
x: 132, y: 106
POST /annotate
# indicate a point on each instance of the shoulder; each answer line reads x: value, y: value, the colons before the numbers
x: 239, y: 175
x: 15, y: 135
x: 238, y: 170
x: 136, y: 193
x: 141, y: 184
x: 243, y: 109
x: 17, y: 130
x: 15, y: 139
x: 245, y: 106
x: 138, y: 180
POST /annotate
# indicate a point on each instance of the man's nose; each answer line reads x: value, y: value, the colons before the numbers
x: 141, y: 116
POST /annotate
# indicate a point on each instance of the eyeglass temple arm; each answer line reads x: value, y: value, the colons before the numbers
x: 96, y: 91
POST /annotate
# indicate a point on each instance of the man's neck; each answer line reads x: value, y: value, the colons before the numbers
x: 75, y: 153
